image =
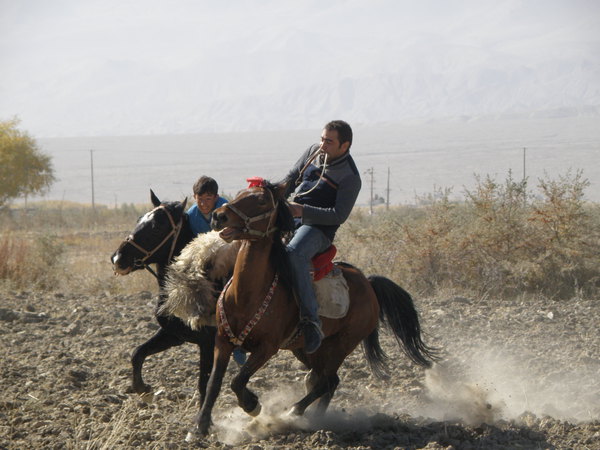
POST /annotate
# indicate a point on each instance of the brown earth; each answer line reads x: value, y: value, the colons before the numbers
x: 517, y: 374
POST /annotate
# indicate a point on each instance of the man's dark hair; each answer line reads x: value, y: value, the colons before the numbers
x: 343, y: 129
x: 206, y: 185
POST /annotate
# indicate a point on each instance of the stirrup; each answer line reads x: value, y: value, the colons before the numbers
x: 314, y: 344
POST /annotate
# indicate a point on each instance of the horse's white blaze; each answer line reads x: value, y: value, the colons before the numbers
x: 147, y: 217
x: 115, y: 258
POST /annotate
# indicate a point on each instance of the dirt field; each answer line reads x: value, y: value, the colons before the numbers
x: 516, y: 374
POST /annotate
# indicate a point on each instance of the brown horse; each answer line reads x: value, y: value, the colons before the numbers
x: 258, y: 310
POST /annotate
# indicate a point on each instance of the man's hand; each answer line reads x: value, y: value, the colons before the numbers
x: 296, y: 209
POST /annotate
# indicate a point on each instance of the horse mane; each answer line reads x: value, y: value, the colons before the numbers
x: 195, y: 278
x: 284, y: 222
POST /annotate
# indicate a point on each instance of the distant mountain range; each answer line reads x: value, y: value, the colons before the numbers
x: 284, y: 77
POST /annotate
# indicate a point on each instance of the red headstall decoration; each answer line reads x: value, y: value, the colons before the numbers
x: 255, y: 182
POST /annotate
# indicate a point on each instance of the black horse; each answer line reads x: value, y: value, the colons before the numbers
x: 158, y: 237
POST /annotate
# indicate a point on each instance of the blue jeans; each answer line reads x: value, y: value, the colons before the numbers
x: 306, y: 243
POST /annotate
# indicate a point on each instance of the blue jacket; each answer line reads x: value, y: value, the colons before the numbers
x: 332, y: 200
x: 198, y: 223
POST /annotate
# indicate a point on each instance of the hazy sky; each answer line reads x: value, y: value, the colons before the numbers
x: 85, y: 67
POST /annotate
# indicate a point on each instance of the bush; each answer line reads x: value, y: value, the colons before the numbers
x: 501, y: 240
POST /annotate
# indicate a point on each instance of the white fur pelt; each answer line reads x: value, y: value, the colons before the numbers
x: 190, y: 279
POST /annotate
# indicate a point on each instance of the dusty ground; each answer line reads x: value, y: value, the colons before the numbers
x: 517, y: 374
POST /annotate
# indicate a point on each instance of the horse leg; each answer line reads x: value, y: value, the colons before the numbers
x: 324, y: 387
x: 332, y: 382
x: 302, y: 357
x: 247, y: 399
x: 207, y: 351
x: 161, y: 341
x: 223, y: 351
x: 310, y: 381
x: 322, y: 381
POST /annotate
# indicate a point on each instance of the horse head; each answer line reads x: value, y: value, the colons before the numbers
x: 153, y: 239
x: 255, y: 213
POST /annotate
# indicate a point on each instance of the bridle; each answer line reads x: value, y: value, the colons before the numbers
x: 175, y: 230
x: 247, y: 229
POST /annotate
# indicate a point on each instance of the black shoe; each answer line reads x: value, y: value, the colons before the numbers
x: 312, y: 336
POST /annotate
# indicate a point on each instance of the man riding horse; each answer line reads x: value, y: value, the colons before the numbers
x: 327, y: 183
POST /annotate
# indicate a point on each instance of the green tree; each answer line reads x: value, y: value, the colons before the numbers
x: 24, y: 169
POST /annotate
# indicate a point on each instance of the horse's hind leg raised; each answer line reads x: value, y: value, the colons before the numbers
x: 320, y: 387
x: 322, y: 381
x: 161, y: 341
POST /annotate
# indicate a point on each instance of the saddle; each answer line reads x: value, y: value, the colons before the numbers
x: 323, y: 263
x: 330, y: 285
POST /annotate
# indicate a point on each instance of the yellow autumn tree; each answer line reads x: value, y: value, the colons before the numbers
x: 24, y: 169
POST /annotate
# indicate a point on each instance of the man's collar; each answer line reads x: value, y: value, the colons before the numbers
x: 337, y: 160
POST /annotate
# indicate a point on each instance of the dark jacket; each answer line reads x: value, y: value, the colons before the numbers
x: 332, y: 200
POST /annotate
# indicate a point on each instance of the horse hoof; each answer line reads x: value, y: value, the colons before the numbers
x: 294, y: 412
x: 195, y: 435
x: 256, y: 411
x: 192, y: 436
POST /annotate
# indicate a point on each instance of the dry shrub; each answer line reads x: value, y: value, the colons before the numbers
x: 501, y: 240
x: 30, y: 261
x: 61, y: 246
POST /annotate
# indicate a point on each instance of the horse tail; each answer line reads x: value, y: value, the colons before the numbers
x: 376, y: 356
x: 398, y: 311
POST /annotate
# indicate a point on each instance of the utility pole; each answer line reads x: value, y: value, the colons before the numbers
x: 370, y: 173
x: 387, y: 192
x: 524, y: 177
x: 92, y: 170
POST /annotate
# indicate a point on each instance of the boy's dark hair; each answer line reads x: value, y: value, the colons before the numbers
x: 343, y: 129
x: 206, y: 185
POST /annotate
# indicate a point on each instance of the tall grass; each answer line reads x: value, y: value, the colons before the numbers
x: 30, y: 261
x: 504, y: 238
x: 58, y: 246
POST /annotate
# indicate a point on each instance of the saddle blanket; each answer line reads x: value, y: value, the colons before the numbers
x: 332, y: 294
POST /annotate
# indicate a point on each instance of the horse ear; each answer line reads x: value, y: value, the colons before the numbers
x: 154, y: 198
x: 184, y: 203
x: 281, y: 189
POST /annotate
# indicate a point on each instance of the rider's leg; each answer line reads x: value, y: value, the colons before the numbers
x: 306, y: 243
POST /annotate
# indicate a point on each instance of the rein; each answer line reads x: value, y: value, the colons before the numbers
x: 300, y: 194
x: 248, y: 220
x: 175, y: 230
x: 239, y: 340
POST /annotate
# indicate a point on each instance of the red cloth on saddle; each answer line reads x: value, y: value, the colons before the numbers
x: 323, y: 262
